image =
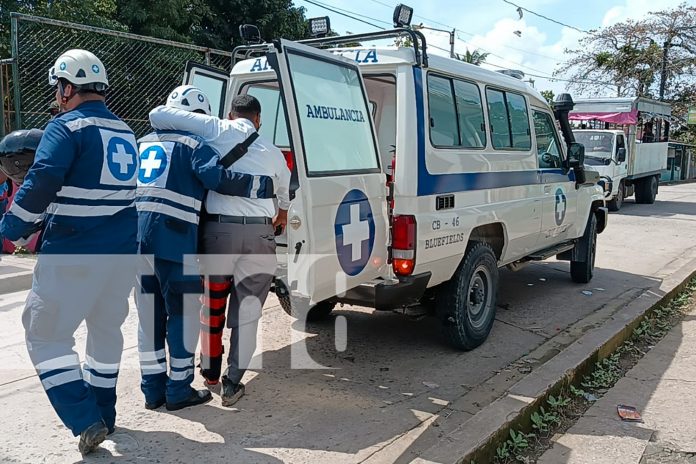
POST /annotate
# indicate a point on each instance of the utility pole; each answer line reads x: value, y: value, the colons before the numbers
x: 663, y: 71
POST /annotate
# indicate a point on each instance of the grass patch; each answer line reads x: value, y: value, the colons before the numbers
x: 526, y: 444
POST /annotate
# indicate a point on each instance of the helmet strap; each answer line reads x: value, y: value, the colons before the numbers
x: 61, y: 89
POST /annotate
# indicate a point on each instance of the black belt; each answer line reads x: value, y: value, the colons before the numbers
x: 238, y: 219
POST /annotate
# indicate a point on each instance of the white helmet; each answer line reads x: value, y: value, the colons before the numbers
x: 81, y: 68
x: 189, y: 98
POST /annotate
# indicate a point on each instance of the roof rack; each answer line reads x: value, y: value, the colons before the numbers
x: 245, y: 52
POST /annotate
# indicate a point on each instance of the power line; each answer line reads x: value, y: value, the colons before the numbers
x: 333, y: 10
x: 341, y: 11
x: 546, y: 17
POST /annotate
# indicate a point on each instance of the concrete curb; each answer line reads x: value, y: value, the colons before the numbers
x: 20, y: 280
x: 477, y: 438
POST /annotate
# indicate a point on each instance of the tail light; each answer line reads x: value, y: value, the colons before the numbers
x: 289, y: 159
x: 404, y: 244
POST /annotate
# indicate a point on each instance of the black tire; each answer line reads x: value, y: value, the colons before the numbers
x: 466, y: 304
x: 299, y: 309
x: 646, y: 190
x: 617, y: 202
x: 581, y: 271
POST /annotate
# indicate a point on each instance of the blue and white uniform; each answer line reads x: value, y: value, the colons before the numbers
x: 176, y: 170
x: 81, y: 192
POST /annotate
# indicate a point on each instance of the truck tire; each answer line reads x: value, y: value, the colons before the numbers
x: 646, y: 190
x: 300, y: 310
x: 616, y: 203
x: 581, y: 270
x: 466, y: 304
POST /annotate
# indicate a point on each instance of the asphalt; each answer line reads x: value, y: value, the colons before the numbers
x: 396, y: 393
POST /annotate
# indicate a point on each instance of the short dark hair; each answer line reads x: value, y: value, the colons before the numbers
x: 245, y: 105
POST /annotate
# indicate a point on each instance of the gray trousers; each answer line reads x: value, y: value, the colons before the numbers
x: 249, y: 263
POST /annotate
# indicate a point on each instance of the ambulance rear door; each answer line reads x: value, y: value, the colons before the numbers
x: 338, y: 228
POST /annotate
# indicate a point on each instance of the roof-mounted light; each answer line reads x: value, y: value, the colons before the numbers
x: 319, y: 27
x: 402, y: 15
x: 250, y: 34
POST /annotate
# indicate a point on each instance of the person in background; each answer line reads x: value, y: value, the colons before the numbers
x: 241, y: 228
x: 80, y: 192
x: 648, y: 136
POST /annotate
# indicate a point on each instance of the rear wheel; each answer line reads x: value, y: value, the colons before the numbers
x: 466, y: 304
x: 616, y: 203
x: 300, y: 309
x: 581, y: 271
x: 646, y: 191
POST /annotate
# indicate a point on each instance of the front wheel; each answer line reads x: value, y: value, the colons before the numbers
x: 582, y: 269
x: 616, y: 203
x: 466, y: 304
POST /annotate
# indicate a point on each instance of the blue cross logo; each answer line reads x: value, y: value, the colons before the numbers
x: 561, y: 206
x: 95, y: 69
x: 354, y: 228
x: 153, y: 163
x: 122, y: 159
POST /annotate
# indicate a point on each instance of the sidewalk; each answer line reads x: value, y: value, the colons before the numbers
x: 16, y: 273
x: 661, y: 386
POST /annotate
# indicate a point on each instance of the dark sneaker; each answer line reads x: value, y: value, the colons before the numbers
x: 196, y: 397
x: 91, y: 437
x: 231, y: 392
x: 156, y: 405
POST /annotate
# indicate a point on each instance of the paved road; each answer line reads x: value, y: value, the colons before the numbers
x: 392, y: 393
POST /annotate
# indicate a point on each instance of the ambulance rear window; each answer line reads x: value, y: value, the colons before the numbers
x: 334, y: 117
x: 273, y: 124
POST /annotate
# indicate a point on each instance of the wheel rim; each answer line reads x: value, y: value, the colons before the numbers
x: 653, y: 186
x: 620, y: 196
x: 478, y: 297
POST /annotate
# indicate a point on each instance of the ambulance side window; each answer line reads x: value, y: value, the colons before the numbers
x: 548, y: 150
x: 456, y: 113
x: 509, y: 120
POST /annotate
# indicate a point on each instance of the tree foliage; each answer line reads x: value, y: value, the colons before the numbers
x: 211, y: 23
x: 477, y: 57
x: 626, y: 59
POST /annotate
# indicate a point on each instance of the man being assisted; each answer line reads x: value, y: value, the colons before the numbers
x: 176, y: 170
x: 243, y: 229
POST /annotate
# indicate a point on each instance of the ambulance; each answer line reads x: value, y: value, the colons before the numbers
x: 414, y: 177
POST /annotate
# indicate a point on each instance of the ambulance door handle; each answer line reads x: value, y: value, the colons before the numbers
x: 547, y: 189
x: 298, y: 247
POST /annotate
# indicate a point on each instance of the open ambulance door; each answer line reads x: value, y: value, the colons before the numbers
x: 337, y: 231
x: 212, y: 81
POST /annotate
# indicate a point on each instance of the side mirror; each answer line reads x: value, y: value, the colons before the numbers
x: 576, y: 155
x: 621, y: 155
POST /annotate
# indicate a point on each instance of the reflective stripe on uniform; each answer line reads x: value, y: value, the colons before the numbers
x: 181, y: 363
x: 61, y: 379
x: 104, y: 368
x: 180, y: 375
x: 98, y: 381
x: 78, y: 124
x: 165, y: 194
x: 151, y: 355
x: 150, y: 368
x: 168, y: 210
x: 96, y: 194
x: 23, y: 214
x: 179, y: 138
x: 60, y: 209
x: 61, y: 362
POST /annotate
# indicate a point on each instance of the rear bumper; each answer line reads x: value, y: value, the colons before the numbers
x: 385, y: 295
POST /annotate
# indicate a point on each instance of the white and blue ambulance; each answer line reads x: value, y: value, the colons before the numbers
x: 414, y: 177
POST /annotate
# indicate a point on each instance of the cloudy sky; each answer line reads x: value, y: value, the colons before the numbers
x: 490, y: 25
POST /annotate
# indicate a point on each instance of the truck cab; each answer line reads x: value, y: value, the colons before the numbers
x: 414, y: 177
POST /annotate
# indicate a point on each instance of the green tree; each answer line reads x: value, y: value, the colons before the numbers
x: 476, y: 57
x: 274, y: 18
x: 548, y: 95
x: 178, y: 20
x: 627, y: 59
